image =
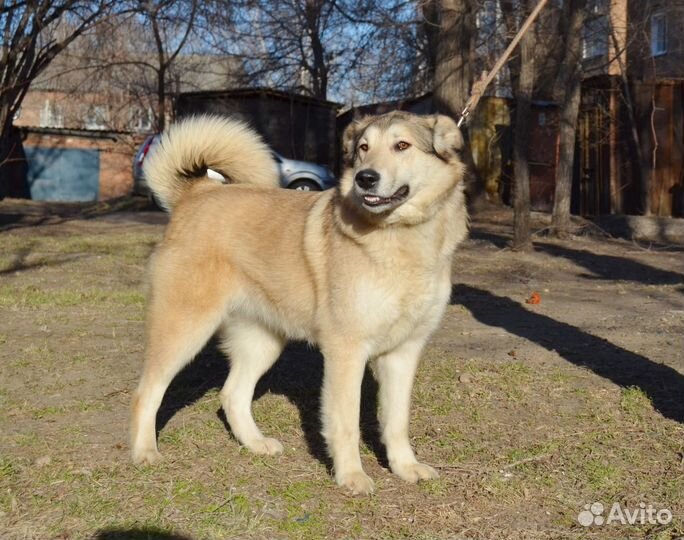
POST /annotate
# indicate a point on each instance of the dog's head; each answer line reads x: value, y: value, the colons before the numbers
x: 398, y: 166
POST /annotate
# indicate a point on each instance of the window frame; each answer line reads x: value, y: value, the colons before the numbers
x: 658, y: 42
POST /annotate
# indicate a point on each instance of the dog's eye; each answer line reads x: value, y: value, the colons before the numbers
x: 363, y: 147
x: 402, y: 145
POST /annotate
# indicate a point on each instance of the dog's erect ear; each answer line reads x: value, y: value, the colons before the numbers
x: 351, y: 135
x: 446, y: 137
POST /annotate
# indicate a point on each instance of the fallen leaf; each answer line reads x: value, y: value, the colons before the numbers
x: 534, y: 298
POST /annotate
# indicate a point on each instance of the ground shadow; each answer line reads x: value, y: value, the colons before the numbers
x: 297, y: 375
x: 16, y: 214
x: 137, y: 534
x: 662, y: 384
x: 19, y: 261
x: 497, y: 240
x: 630, y: 227
x: 613, y: 268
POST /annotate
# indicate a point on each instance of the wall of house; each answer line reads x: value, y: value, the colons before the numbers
x: 660, y: 108
x: 109, y: 159
x: 543, y: 156
x: 489, y: 128
x: 98, y: 112
x: 630, y: 163
x: 643, y: 65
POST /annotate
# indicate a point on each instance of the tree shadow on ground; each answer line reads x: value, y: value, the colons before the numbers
x: 612, y: 267
x: 297, y: 375
x: 137, y: 534
x: 19, y: 213
x: 497, y: 240
x: 19, y: 263
x: 662, y: 384
x: 600, y: 266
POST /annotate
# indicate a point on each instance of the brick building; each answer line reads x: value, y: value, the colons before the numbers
x: 80, y: 126
x: 631, y: 125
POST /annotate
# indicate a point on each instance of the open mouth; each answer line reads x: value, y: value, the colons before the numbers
x: 375, y: 200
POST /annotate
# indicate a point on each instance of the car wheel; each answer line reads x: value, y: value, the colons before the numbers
x: 304, y: 185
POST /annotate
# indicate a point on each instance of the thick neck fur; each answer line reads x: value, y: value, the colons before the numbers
x: 445, y: 218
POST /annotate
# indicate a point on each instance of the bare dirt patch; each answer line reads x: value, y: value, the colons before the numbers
x: 529, y: 412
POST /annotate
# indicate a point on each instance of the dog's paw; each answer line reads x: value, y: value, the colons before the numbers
x: 414, y: 472
x: 146, y: 456
x: 266, y: 446
x: 357, y: 482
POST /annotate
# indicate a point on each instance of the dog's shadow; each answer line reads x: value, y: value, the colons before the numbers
x: 297, y: 375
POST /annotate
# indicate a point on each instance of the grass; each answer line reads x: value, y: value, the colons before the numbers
x: 36, y: 298
x: 521, y: 443
x: 635, y: 402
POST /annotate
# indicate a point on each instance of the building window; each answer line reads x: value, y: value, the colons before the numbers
x: 140, y: 120
x: 96, y: 118
x: 596, y: 30
x: 51, y: 115
x: 658, y: 34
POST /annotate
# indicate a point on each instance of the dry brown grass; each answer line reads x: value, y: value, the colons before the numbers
x: 528, y: 412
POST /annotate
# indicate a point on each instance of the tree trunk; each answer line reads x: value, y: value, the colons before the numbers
x: 560, y: 221
x: 319, y: 69
x: 430, y: 11
x: 569, y: 85
x: 161, y: 98
x: 521, y: 197
x: 5, y: 149
x: 453, y: 74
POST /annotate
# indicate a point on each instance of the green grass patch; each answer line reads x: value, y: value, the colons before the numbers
x: 634, y: 402
x: 599, y: 475
x: 528, y: 455
x: 45, y: 412
x: 7, y: 468
x: 35, y: 297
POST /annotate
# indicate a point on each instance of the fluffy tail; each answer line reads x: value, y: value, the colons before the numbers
x: 190, y: 147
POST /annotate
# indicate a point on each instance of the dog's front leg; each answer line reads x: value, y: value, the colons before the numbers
x: 342, y: 380
x: 396, y: 371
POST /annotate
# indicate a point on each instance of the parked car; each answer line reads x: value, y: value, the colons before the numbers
x: 294, y: 174
x: 304, y: 175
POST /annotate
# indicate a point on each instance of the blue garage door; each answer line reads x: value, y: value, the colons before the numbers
x: 63, y: 174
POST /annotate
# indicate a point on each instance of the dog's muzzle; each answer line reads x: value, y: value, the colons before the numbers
x: 367, y: 182
x: 367, y: 179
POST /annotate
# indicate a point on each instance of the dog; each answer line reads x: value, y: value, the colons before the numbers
x: 362, y: 270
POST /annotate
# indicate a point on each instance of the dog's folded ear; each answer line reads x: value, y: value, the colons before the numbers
x: 447, y: 140
x: 350, y: 137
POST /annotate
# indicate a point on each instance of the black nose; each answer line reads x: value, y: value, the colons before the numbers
x: 367, y: 178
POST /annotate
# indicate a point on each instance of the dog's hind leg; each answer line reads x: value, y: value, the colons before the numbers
x: 395, y: 372
x: 252, y: 349
x: 176, y: 332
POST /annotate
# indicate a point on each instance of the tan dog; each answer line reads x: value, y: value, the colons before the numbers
x: 363, y: 271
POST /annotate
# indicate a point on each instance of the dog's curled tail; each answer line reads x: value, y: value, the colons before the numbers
x: 188, y: 148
